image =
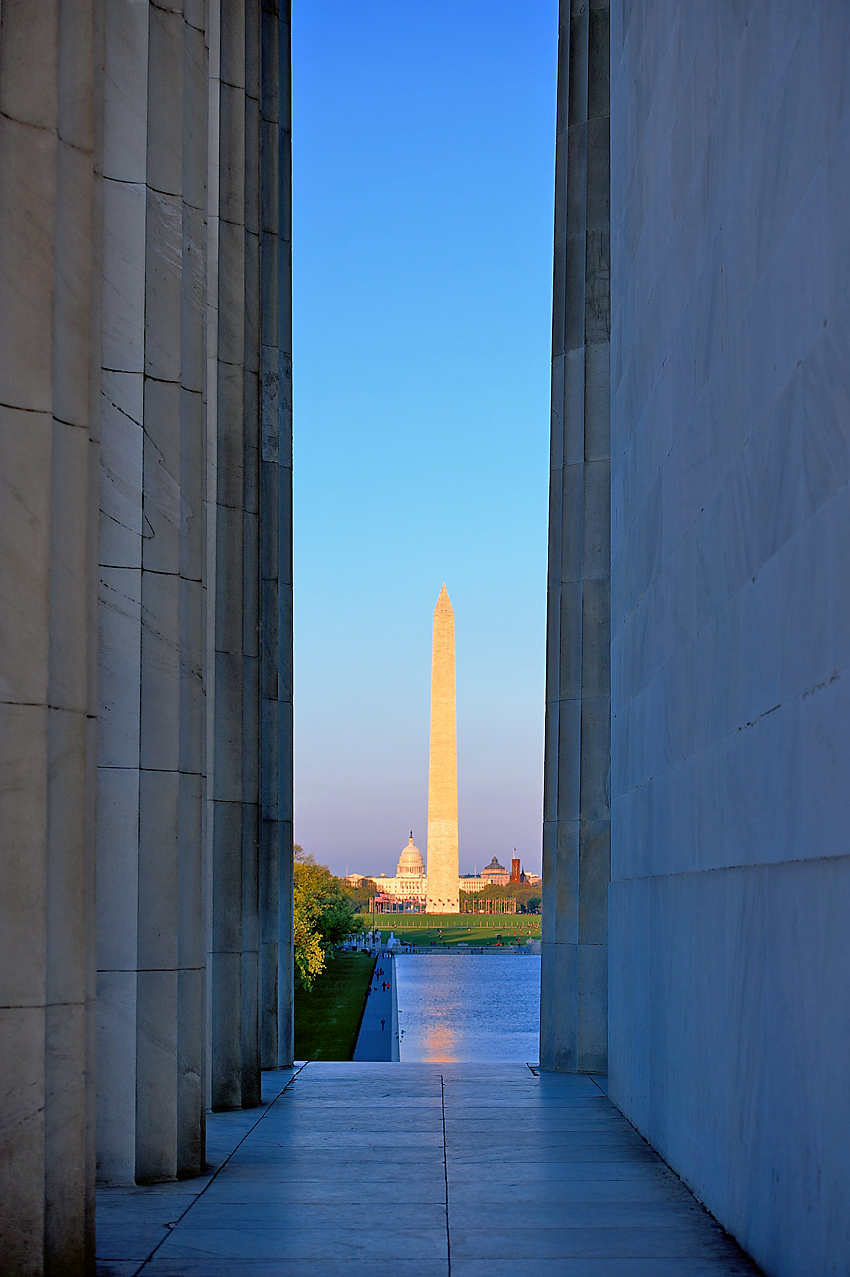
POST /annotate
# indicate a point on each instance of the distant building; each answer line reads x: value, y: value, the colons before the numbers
x: 516, y: 870
x: 496, y: 874
x: 410, y: 883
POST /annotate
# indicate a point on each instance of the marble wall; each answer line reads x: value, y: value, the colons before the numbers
x: 145, y: 594
x: 730, y: 446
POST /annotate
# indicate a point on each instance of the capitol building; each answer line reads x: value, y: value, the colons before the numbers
x: 411, y: 882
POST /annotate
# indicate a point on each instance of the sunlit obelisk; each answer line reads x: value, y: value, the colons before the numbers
x: 442, y: 849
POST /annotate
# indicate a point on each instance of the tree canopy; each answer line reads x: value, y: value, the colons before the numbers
x: 323, y: 916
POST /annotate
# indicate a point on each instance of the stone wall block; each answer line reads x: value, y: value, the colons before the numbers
x: 125, y: 91
x: 226, y: 1054
x: 251, y: 487
x: 230, y: 533
x: 566, y: 882
x: 73, y: 288
x: 22, y: 1169
x: 232, y: 142
x: 594, y: 874
x: 230, y: 443
x: 592, y: 615
x: 26, y: 458
x: 27, y: 211
x: 119, y: 664
x: 569, y: 755
x: 159, y: 819
x: 156, y: 1084
x: 271, y: 86
x: 192, y: 699
x: 597, y: 399
x: 195, y: 105
x: 572, y: 523
x: 162, y: 467
x: 592, y: 1008
x: 191, y: 928
x: 574, y: 318
x: 165, y: 101
x: 191, y: 1043
x: 116, y: 1071
x: 160, y: 691
x: 251, y: 1078
x: 228, y: 727
x: 194, y: 301
x: 227, y: 870
x: 233, y: 44
x: 23, y: 819
x: 66, y: 1244
x: 252, y: 303
x: 575, y: 406
x: 251, y: 591
x: 121, y: 454
x: 66, y: 882
x: 117, y: 872
x: 163, y: 285
x: 253, y: 186
x: 569, y: 638
x: 124, y: 218
x: 192, y: 546
x: 251, y: 729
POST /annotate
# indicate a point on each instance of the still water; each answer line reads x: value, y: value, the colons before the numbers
x: 472, y: 1008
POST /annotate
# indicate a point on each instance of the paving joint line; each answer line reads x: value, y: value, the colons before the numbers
x: 215, y: 1176
x: 446, y: 1176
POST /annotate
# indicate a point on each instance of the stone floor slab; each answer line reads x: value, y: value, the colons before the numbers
x: 425, y: 1171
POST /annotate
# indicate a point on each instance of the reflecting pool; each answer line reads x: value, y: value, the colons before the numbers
x: 472, y: 1008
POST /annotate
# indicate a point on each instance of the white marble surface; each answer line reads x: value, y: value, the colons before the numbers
x: 730, y: 464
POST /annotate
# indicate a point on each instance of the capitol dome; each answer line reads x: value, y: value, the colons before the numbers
x: 410, y: 863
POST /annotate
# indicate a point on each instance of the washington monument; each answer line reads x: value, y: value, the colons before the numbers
x: 443, y: 896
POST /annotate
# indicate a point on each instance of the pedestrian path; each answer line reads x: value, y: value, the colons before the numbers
x: 378, y: 1038
x: 420, y: 1170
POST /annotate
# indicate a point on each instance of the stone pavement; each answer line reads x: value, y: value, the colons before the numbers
x: 376, y: 1041
x: 420, y: 1170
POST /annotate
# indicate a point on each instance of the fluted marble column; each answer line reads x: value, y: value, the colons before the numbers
x: 47, y: 451
x: 576, y: 830
x: 251, y: 786
x: 150, y: 901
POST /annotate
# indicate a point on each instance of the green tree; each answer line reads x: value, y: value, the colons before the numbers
x: 360, y: 896
x: 323, y: 916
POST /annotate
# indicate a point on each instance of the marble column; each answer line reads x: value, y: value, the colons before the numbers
x: 576, y: 838
x: 250, y: 969
x: 47, y: 714
x: 151, y: 990
x: 276, y: 952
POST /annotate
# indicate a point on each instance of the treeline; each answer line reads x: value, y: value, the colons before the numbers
x: 528, y: 897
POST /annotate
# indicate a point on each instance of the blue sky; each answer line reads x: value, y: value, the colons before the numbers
x: 423, y: 169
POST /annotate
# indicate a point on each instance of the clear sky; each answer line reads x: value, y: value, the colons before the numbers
x: 423, y: 170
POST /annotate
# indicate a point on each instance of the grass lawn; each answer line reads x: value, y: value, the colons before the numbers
x: 473, y: 929
x: 327, y: 1020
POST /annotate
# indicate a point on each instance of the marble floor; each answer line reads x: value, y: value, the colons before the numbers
x: 419, y: 1170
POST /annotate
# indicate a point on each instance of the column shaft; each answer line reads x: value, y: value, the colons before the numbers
x: 576, y: 839
x: 46, y: 807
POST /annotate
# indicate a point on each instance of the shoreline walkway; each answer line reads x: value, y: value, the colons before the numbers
x: 377, y: 1042
x: 419, y: 1170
